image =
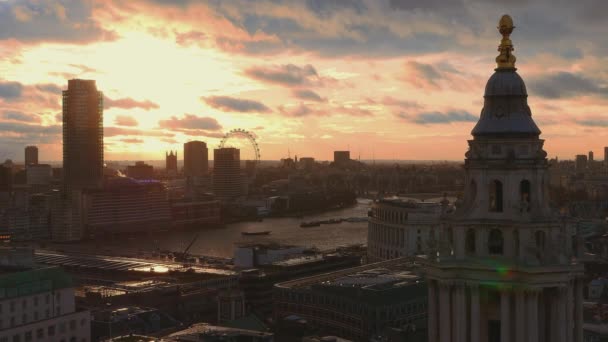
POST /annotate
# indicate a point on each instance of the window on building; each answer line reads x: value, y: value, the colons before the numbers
x: 495, y: 242
x: 470, y: 242
x: 496, y: 149
x: 36, y: 301
x: 28, y: 336
x: 73, y: 325
x: 12, y: 305
x: 12, y: 322
x: 516, y: 243
x: 524, y: 194
x: 40, y: 333
x: 540, y: 238
x: 496, y: 196
x: 50, y: 331
x: 24, y: 319
x: 17, y: 338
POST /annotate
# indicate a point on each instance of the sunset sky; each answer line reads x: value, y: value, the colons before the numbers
x: 399, y: 79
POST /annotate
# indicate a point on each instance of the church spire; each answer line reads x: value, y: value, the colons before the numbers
x: 505, y: 60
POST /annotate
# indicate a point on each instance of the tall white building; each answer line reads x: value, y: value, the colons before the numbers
x: 37, y: 304
x: 504, y: 266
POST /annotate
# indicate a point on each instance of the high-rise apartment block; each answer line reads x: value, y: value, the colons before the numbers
x: 31, y: 155
x: 227, y: 179
x: 196, y: 159
x: 82, y: 135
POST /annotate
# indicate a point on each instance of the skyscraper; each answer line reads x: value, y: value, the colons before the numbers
x: 171, y: 163
x: 227, y: 179
x: 196, y: 159
x: 82, y: 135
x: 505, y: 266
x: 31, y: 155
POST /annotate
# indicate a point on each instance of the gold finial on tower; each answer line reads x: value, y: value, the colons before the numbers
x: 506, y: 59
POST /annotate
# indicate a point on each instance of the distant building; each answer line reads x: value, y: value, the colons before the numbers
x: 195, y: 213
x: 230, y: 305
x: 171, y: 163
x: 581, y: 163
x: 399, y: 228
x: 31, y: 155
x: 6, y: 179
x: 140, y: 170
x: 590, y: 156
x: 606, y: 154
x: 82, y: 135
x: 307, y: 163
x: 39, y: 177
x: 356, y: 303
x: 196, y: 159
x: 208, y: 333
x: 126, y: 205
x: 38, y: 304
x: 227, y: 179
x: 341, y: 157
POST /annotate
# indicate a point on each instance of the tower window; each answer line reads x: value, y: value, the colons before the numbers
x: 524, y: 193
x: 470, y: 242
x: 495, y: 242
x: 496, y: 196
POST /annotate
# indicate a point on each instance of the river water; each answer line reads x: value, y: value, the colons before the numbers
x: 220, y: 242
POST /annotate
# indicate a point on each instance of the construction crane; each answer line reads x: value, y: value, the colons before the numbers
x: 183, y: 256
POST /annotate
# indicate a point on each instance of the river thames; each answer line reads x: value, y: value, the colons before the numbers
x: 220, y: 242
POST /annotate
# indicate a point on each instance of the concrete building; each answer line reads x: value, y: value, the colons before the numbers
x: 227, y: 179
x: 195, y: 213
x: 357, y: 303
x: 39, y: 177
x: 38, y: 303
x: 196, y: 159
x: 31, y: 155
x: 126, y: 205
x: 606, y: 154
x: 399, y: 228
x: 230, y: 305
x: 341, y: 157
x: 581, y: 163
x: 140, y: 170
x: 171, y: 163
x: 203, y: 332
x: 590, y: 156
x: 82, y: 135
x: 504, y: 266
x: 307, y: 163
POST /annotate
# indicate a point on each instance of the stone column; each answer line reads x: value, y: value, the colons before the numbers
x: 578, y: 311
x: 460, y: 314
x: 520, y: 316
x: 532, y: 315
x: 562, y: 309
x: 570, y: 312
x: 505, y: 316
x: 445, y: 333
x: 432, y: 311
x: 475, y: 328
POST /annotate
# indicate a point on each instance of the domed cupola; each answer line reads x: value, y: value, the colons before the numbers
x: 505, y: 111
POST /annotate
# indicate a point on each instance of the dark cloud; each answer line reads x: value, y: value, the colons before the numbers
x: 10, y: 90
x: 128, y: 103
x: 116, y: 131
x: 300, y: 111
x: 430, y: 118
x: 596, y: 122
x: 565, y: 84
x: 132, y: 141
x: 20, y: 116
x: 190, y: 37
x: 55, y: 21
x: 286, y: 75
x: 125, y: 120
x: 49, y: 88
x: 232, y: 104
x: 190, y: 122
x: 305, y: 94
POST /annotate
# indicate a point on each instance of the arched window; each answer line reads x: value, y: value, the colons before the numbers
x: 524, y: 195
x: 470, y: 242
x: 540, y: 238
x: 495, y: 242
x: 496, y: 196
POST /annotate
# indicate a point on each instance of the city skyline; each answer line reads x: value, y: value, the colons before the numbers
x: 386, y: 80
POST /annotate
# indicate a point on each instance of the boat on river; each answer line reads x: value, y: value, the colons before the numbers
x: 264, y: 232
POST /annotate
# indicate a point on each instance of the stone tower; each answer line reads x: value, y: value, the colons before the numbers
x: 503, y: 267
